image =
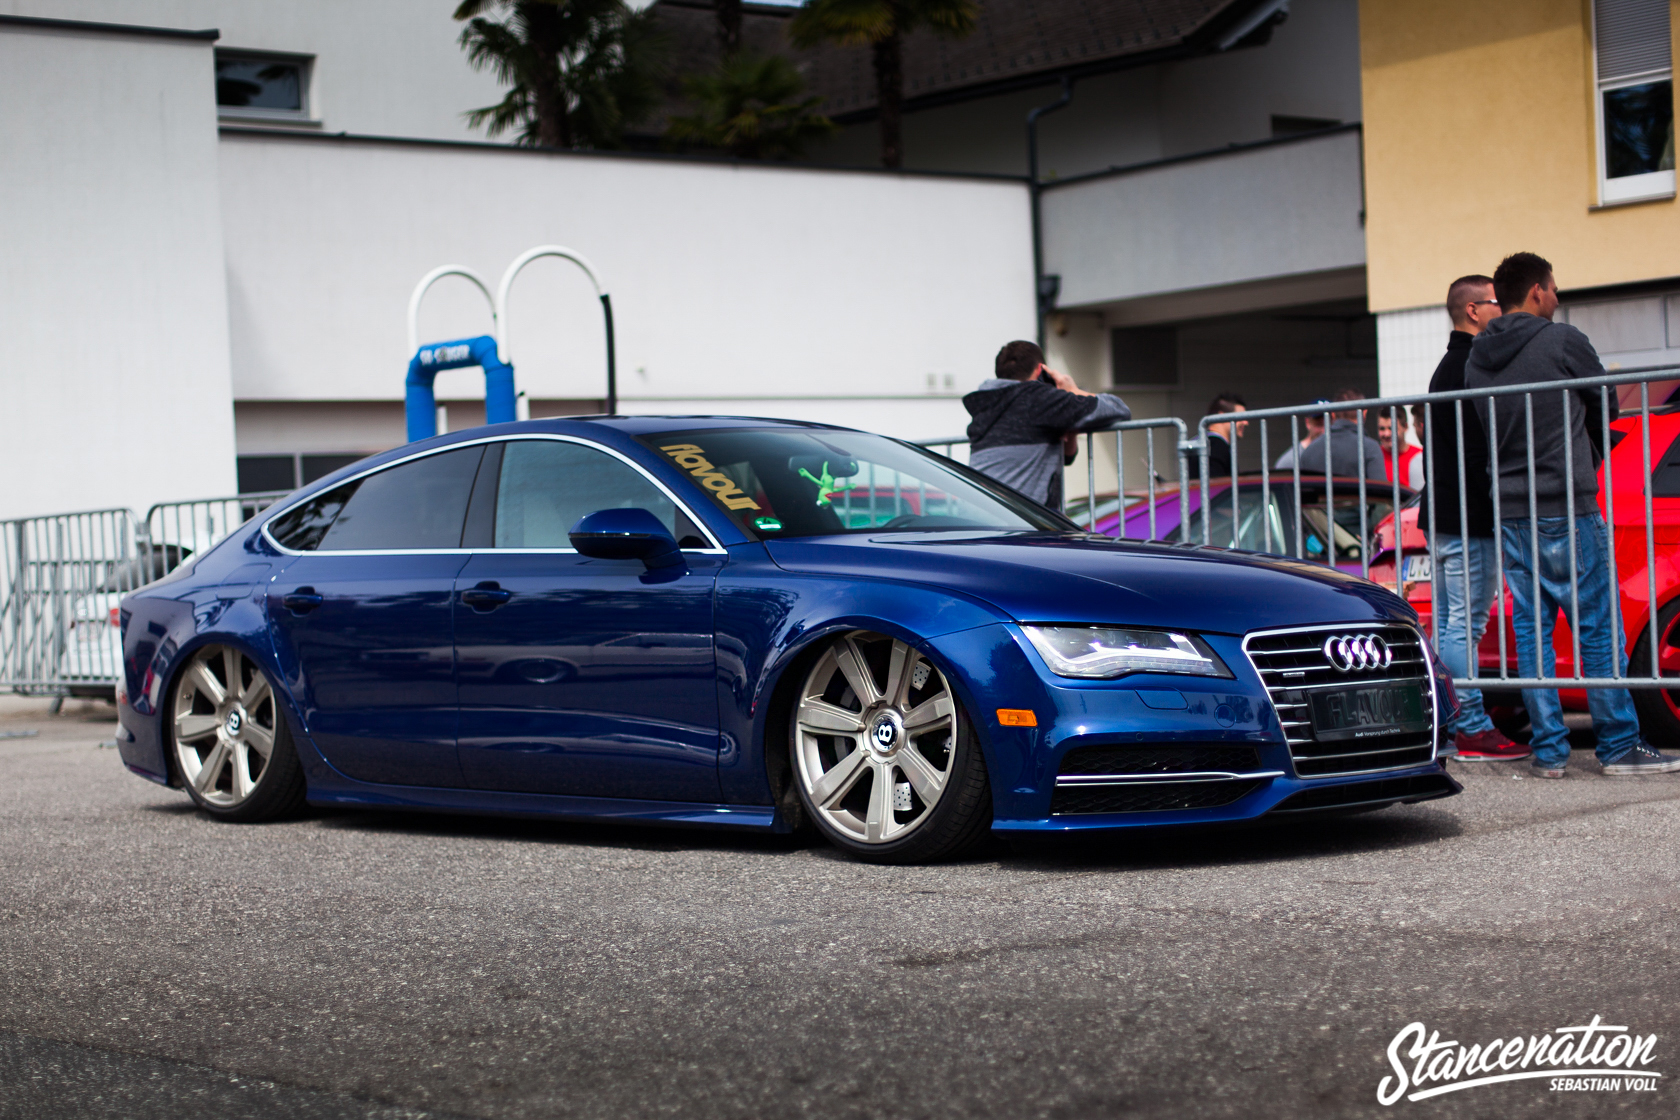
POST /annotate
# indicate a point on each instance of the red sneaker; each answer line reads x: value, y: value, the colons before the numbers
x: 1489, y: 746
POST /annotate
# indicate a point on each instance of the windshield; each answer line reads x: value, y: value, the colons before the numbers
x: 779, y: 482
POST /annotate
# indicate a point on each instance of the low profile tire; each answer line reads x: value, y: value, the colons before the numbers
x: 1659, y: 710
x: 885, y: 761
x: 232, y: 747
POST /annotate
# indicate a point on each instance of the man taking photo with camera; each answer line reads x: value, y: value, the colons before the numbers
x: 1021, y: 416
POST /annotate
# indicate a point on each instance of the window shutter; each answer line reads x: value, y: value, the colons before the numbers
x: 1632, y: 37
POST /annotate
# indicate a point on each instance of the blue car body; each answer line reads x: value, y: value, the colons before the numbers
x: 676, y: 708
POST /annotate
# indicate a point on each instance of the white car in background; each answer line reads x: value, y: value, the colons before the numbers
x: 91, y: 661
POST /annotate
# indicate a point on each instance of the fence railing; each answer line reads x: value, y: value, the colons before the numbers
x: 1154, y: 480
x: 63, y: 575
x: 1327, y: 510
x: 1521, y: 466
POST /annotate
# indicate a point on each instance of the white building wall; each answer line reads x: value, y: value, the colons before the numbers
x: 382, y: 67
x: 856, y: 298
x: 1276, y: 210
x: 112, y: 295
x: 1410, y: 344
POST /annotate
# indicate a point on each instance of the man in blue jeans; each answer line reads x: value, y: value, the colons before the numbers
x: 1524, y: 346
x: 1466, y: 564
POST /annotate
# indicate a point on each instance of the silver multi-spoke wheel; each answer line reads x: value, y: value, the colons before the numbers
x: 225, y: 726
x: 876, y: 738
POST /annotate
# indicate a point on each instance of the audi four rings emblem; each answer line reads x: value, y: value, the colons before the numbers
x: 1349, y: 652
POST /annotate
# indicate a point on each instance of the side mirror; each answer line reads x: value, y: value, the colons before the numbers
x: 626, y: 534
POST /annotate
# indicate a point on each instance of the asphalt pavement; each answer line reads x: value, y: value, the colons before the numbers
x: 154, y: 963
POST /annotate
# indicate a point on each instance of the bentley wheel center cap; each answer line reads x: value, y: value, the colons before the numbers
x: 235, y: 720
x: 885, y: 733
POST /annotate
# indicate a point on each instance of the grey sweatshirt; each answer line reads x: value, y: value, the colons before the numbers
x: 1338, y: 454
x: 1521, y: 349
x: 1017, y: 431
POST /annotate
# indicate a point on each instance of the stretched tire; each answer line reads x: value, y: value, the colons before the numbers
x: 884, y: 759
x: 231, y: 744
x: 1659, y: 711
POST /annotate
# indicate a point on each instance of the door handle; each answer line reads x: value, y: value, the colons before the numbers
x: 487, y: 596
x: 303, y: 600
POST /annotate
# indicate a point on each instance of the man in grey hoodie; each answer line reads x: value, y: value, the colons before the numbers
x: 1021, y: 416
x: 1339, y: 451
x: 1523, y: 346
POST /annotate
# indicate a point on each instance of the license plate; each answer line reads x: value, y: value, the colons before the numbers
x: 1368, y: 713
x: 1418, y: 568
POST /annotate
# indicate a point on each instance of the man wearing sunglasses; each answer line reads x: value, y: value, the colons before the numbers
x: 1464, y: 522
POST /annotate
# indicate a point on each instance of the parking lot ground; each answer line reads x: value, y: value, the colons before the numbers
x: 154, y: 963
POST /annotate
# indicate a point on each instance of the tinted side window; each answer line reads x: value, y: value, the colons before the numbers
x: 302, y: 527
x: 420, y: 504
x: 547, y: 486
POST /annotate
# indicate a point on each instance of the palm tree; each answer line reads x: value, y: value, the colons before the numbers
x: 751, y: 107
x: 578, y: 72
x: 882, y: 25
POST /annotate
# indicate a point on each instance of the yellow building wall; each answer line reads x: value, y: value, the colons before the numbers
x: 1480, y: 142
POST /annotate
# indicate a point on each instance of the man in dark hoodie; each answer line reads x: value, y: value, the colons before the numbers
x: 1020, y: 417
x: 1524, y: 346
x: 1467, y: 565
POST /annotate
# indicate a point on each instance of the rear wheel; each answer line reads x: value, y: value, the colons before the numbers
x: 1659, y: 711
x: 884, y: 759
x: 232, y: 746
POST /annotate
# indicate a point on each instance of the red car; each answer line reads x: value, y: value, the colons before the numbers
x: 1659, y: 711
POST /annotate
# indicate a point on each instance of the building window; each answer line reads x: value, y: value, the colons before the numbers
x: 262, y: 86
x: 1635, y: 99
x: 260, y: 474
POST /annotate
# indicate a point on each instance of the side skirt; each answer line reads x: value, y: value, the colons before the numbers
x: 551, y: 806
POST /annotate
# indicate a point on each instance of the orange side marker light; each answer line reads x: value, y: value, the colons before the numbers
x: 1017, y: 717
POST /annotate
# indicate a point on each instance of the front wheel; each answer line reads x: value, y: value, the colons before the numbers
x: 884, y: 758
x: 1659, y: 711
x: 232, y: 746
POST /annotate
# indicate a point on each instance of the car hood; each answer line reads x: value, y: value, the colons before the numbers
x: 1078, y: 577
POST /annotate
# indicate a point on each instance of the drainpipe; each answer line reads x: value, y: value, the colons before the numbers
x: 1046, y: 288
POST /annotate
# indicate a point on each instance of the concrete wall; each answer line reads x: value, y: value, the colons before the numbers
x: 859, y: 298
x: 1409, y: 347
x: 382, y: 67
x: 1443, y: 203
x: 1309, y: 69
x: 1282, y: 209
x: 112, y: 296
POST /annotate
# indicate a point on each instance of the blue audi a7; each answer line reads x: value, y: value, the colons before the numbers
x: 760, y: 624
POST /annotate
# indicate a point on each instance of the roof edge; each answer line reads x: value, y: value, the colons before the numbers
x: 300, y: 136
x: 1203, y: 41
x: 95, y: 28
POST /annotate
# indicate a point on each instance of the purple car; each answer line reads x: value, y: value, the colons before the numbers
x: 1266, y: 516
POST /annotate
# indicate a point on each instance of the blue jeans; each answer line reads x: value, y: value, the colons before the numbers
x: 1614, y: 720
x: 1451, y: 560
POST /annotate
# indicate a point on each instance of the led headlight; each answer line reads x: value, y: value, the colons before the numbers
x: 1101, y: 652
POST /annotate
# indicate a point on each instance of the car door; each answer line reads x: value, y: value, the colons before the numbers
x: 584, y: 676
x: 361, y: 617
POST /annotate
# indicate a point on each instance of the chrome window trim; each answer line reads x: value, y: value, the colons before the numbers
x: 1155, y: 779
x: 716, y: 549
x: 1319, y: 628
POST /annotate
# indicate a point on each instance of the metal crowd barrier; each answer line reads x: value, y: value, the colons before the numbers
x: 1646, y: 675
x: 62, y: 576
x: 177, y: 530
x: 55, y: 574
x: 1154, y: 480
